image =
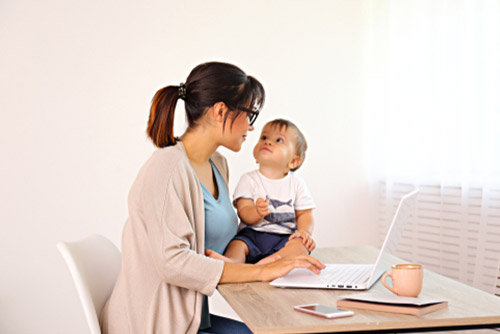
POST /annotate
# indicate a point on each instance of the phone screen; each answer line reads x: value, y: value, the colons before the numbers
x: 321, y: 309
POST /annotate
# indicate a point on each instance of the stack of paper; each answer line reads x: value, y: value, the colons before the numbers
x: 385, y: 302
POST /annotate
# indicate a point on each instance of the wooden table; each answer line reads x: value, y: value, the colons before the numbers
x: 266, y: 309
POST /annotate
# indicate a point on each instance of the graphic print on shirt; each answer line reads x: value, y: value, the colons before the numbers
x: 285, y: 219
x: 277, y: 203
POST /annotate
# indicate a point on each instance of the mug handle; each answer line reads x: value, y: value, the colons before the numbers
x: 387, y: 285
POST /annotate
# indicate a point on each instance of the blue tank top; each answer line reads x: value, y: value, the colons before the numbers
x: 221, y: 225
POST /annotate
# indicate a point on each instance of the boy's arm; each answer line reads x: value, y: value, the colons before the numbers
x: 251, y: 213
x: 305, y: 225
x: 305, y: 221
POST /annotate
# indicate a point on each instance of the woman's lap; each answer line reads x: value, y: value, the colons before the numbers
x: 221, y: 325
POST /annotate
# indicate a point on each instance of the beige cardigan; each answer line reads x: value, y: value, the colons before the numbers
x: 164, y: 272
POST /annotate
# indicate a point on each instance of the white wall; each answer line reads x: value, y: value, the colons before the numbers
x: 76, y: 81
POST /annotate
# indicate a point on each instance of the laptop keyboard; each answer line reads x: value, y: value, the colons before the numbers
x: 345, y: 276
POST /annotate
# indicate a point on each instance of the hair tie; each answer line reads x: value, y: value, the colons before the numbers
x: 182, y: 91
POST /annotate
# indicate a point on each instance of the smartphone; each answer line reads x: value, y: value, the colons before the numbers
x: 323, y: 311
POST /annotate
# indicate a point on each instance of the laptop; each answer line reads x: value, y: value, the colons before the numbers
x: 354, y: 276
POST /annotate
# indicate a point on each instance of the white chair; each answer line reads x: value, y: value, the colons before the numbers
x: 94, y: 263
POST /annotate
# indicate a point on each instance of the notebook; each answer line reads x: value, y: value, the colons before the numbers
x: 388, y: 302
x: 354, y: 276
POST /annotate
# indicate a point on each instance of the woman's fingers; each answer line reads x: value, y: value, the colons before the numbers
x: 308, y: 262
x: 285, y: 265
x: 214, y: 255
x: 314, y: 261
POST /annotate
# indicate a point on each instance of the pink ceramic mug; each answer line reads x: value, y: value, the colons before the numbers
x: 407, y: 279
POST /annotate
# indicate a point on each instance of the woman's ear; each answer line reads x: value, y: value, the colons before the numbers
x: 219, y: 111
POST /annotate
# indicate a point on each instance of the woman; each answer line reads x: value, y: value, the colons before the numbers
x: 179, y: 206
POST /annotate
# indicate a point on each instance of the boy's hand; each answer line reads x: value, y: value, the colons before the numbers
x: 307, y: 240
x: 262, y: 207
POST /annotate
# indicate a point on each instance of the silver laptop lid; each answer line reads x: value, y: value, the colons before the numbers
x: 405, y: 207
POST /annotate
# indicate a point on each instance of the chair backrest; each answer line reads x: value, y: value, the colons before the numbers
x: 94, y: 263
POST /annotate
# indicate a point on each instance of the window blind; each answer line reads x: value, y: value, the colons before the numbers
x: 454, y: 231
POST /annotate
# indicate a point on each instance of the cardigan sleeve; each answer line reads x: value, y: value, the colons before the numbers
x: 173, y: 237
x: 182, y: 265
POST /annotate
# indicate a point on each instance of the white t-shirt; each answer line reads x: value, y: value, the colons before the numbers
x: 285, y: 196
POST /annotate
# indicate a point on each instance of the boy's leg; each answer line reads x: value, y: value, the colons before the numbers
x: 237, y: 251
x: 291, y: 247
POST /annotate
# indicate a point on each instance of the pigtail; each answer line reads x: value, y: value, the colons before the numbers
x: 161, y: 116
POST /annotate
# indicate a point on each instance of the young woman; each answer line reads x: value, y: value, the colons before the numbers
x: 179, y: 206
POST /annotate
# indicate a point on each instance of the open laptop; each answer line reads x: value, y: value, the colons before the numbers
x: 354, y: 276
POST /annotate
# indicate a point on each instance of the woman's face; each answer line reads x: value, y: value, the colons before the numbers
x: 235, y: 132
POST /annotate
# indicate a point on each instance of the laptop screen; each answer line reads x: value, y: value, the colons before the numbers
x: 405, y: 208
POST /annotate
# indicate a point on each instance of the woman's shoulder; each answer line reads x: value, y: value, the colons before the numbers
x: 166, y: 169
x: 220, y: 162
x: 168, y: 157
x: 218, y: 158
x: 163, y: 163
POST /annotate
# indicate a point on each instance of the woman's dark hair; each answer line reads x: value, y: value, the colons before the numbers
x: 206, y: 85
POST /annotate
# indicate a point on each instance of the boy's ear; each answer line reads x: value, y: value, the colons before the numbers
x: 296, y: 161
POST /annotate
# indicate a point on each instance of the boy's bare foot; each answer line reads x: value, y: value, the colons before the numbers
x: 217, y: 256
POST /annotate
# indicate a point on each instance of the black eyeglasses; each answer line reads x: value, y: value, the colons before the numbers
x: 252, y: 113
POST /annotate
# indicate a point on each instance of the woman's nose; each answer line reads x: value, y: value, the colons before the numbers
x: 251, y: 128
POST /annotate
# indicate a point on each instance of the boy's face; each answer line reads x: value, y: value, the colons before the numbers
x: 276, y: 148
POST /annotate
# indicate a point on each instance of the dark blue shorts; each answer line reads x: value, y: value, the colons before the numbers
x: 221, y: 325
x: 261, y: 244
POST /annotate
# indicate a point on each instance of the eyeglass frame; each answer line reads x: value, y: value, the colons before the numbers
x: 253, y: 113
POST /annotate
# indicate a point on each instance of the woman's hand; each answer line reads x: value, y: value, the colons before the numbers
x: 283, y: 266
x: 307, y: 240
x: 269, y: 259
x: 265, y: 272
x: 217, y: 256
